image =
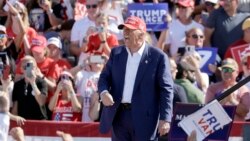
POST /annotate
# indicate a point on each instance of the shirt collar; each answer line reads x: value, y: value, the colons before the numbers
x: 140, y: 51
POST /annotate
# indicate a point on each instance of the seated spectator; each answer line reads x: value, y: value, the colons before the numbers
x: 239, y: 98
x: 30, y: 93
x: 65, y: 104
x: 86, y: 82
x: 185, y: 77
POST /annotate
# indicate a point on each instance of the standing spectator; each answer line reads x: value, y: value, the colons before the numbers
x: 65, y: 104
x: 4, y: 117
x: 244, y: 40
x: 184, y: 77
x: 60, y: 64
x: 223, y: 26
x: 18, y: 28
x: 136, y: 88
x: 30, y: 93
x: 102, y: 41
x: 179, y: 92
x: 63, y: 32
x: 178, y: 27
x: 86, y: 82
x: 43, y: 14
x: 78, y: 33
x: 239, y: 98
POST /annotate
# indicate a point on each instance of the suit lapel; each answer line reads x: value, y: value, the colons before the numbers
x: 144, y: 63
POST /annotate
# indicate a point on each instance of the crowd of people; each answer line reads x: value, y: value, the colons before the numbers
x: 85, y: 61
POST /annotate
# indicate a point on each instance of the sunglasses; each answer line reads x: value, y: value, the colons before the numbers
x: 3, y: 36
x: 227, y: 70
x: 65, y: 77
x: 91, y: 6
x: 195, y: 36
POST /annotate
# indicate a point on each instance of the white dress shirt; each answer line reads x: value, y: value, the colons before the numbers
x: 133, y: 62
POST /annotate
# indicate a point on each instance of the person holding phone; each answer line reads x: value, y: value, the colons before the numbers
x: 30, y: 93
x: 65, y: 104
x: 86, y: 85
x: 103, y: 40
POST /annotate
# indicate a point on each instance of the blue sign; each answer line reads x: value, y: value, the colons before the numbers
x: 182, y: 110
x: 154, y: 15
x: 208, y: 56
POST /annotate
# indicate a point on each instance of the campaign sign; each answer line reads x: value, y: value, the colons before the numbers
x: 154, y: 15
x: 208, y: 56
x: 182, y: 110
x: 237, y: 53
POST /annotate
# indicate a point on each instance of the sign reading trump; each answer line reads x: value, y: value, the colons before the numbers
x: 154, y: 15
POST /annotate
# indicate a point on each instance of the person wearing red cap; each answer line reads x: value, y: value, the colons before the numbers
x: 136, y: 88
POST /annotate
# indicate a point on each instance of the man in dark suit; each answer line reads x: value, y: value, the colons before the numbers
x: 136, y: 88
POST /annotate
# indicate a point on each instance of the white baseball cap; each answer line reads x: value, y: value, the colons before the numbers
x: 212, y: 1
x: 3, y: 28
x: 55, y: 41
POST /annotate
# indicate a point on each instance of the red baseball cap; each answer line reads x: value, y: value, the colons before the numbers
x: 38, y: 43
x: 134, y: 22
x: 186, y: 3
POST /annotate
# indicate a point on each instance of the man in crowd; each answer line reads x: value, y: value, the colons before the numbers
x: 136, y: 88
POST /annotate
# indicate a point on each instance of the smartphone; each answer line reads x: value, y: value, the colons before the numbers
x: 28, y: 69
x: 96, y: 59
x: 1, y: 68
x: 190, y: 48
x: 181, y: 51
x: 6, y: 6
x: 99, y: 29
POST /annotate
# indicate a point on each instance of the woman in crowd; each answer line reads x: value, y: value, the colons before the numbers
x: 65, y: 104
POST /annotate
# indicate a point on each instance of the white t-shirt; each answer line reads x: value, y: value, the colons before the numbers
x: 80, y: 29
x: 86, y: 84
x: 176, y: 37
x: 4, y: 126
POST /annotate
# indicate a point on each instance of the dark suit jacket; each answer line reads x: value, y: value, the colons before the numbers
x: 152, y: 95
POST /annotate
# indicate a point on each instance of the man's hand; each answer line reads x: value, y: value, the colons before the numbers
x: 163, y: 127
x: 192, y: 136
x: 107, y: 99
x: 64, y: 136
x: 17, y: 133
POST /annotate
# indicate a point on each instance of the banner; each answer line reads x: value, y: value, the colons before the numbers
x: 36, y: 130
x: 183, y: 110
x: 154, y: 15
x: 208, y: 56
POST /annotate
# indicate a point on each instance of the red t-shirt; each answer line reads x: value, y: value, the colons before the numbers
x: 57, y: 67
x: 44, y: 66
x: 64, y: 111
x: 95, y: 42
x: 228, y: 53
